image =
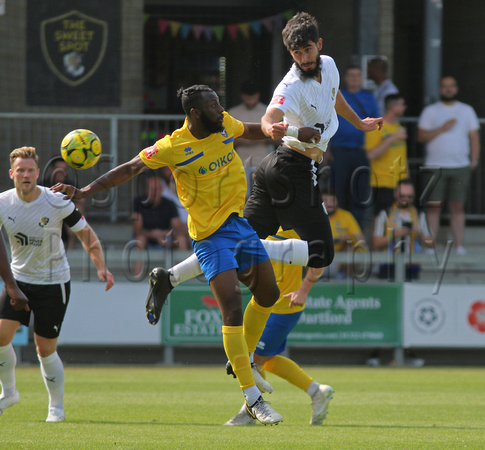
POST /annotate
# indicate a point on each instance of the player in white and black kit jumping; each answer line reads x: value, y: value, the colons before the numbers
x: 303, y: 113
x: 33, y: 217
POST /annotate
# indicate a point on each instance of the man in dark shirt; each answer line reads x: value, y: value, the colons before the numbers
x: 155, y: 219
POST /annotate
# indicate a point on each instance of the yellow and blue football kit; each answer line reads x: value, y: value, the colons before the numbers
x: 209, y: 174
x: 281, y: 322
x: 211, y: 185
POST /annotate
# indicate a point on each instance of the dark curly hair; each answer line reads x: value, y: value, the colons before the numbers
x: 300, y: 29
x: 192, y: 95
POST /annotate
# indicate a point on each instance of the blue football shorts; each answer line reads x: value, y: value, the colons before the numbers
x: 275, y: 334
x: 235, y: 245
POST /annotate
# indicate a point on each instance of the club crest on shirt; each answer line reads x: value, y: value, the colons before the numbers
x: 224, y: 133
x: 44, y: 221
x: 333, y: 93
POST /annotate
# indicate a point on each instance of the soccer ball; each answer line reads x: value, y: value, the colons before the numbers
x: 81, y: 149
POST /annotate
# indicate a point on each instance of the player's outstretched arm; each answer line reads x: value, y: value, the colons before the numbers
x: 343, y: 109
x: 114, y: 177
x: 18, y: 299
x: 91, y: 244
x: 253, y: 132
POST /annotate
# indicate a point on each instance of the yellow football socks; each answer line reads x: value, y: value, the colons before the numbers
x: 255, y: 318
x: 237, y: 353
x: 288, y: 370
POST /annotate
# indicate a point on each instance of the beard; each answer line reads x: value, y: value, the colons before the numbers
x: 448, y: 98
x: 211, y: 127
x: 313, y: 72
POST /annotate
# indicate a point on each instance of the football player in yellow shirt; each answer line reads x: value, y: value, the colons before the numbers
x: 211, y: 185
x: 284, y: 317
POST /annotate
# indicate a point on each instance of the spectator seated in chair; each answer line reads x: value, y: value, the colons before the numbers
x: 401, y: 228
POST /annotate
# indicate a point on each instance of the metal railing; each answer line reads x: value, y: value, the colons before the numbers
x: 123, y: 136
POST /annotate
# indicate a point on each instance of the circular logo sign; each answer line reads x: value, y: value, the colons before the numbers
x: 428, y: 315
x: 476, y: 316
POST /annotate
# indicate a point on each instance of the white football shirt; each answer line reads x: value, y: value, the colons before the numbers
x: 308, y: 103
x: 34, y: 231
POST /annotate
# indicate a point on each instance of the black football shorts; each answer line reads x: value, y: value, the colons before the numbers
x: 48, y: 304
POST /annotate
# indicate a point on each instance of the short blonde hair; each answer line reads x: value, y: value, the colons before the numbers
x: 24, y: 153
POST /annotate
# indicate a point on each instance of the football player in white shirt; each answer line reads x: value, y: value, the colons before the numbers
x: 303, y: 113
x: 33, y: 217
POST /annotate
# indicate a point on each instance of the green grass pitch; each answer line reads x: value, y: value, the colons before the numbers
x: 184, y: 407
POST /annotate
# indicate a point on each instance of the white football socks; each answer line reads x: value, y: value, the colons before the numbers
x: 287, y: 251
x: 185, y: 270
x: 8, y: 361
x: 53, y: 373
x: 251, y: 395
x: 312, y: 389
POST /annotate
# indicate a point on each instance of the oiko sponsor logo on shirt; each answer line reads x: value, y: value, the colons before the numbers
x: 218, y: 163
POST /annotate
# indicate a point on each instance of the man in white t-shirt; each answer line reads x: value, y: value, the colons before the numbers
x: 450, y: 130
x: 33, y: 217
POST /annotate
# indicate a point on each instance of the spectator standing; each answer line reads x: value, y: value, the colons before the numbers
x: 251, y: 152
x: 377, y: 72
x: 387, y: 152
x: 450, y: 130
x: 348, y: 160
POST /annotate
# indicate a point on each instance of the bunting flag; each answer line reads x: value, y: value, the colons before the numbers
x: 233, y: 30
x: 244, y: 27
x: 218, y: 32
x: 162, y: 25
x: 175, y: 27
x: 256, y: 27
x: 197, y: 30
